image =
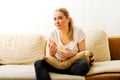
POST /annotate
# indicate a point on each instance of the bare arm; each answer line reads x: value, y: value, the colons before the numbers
x: 81, y: 46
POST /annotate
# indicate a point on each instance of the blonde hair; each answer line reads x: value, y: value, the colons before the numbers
x: 66, y: 13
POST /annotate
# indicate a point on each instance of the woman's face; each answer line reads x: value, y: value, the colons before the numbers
x: 60, y: 20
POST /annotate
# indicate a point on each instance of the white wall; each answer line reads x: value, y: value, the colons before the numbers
x: 36, y: 16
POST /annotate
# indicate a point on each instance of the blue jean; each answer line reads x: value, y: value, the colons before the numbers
x: 42, y: 69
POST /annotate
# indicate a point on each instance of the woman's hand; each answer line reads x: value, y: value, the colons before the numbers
x: 66, y: 53
x: 52, y: 47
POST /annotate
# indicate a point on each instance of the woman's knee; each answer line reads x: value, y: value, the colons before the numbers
x: 80, y: 67
x: 38, y: 63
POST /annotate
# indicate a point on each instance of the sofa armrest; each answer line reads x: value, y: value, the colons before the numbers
x: 114, y: 45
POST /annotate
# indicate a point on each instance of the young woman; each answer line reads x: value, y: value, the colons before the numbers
x: 72, y: 39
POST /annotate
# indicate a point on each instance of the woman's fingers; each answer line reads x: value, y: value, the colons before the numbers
x: 61, y: 54
x: 52, y: 45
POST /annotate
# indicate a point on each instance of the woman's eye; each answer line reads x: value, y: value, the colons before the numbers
x: 60, y: 18
x: 54, y: 19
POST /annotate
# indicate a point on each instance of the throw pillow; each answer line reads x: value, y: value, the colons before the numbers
x: 97, y: 42
x: 67, y: 63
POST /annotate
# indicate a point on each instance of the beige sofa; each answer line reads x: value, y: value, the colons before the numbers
x: 19, y: 51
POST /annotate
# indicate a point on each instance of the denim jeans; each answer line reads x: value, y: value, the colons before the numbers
x: 42, y: 69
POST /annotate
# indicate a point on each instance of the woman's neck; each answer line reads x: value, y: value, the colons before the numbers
x: 64, y: 31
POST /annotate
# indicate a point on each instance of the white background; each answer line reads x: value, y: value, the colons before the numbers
x: 36, y: 16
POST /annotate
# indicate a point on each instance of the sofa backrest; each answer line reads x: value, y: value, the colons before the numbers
x: 97, y: 42
x: 114, y: 45
x: 21, y: 48
x: 27, y: 48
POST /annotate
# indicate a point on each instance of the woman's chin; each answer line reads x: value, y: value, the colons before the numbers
x: 58, y: 28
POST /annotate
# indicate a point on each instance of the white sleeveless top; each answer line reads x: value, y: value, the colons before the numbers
x: 78, y: 36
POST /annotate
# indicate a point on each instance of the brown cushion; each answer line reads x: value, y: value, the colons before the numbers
x: 67, y: 63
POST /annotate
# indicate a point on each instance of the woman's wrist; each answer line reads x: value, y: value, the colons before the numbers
x: 52, y: 54
x: 74, y: 53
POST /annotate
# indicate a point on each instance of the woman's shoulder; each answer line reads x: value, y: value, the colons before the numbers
x: 79, y: 33
x: 53, y: 32
x: 77, y: 29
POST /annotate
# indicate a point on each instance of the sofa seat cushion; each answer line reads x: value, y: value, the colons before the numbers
x: 27, y: 72
x: 104, y: 67
x: 56, y: 76
x: 17, y: 72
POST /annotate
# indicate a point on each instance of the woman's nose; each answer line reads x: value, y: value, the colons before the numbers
x: 57, y: 21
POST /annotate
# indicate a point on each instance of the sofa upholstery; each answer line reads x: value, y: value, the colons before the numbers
x: 19, y: 51
x: 114, y: 46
